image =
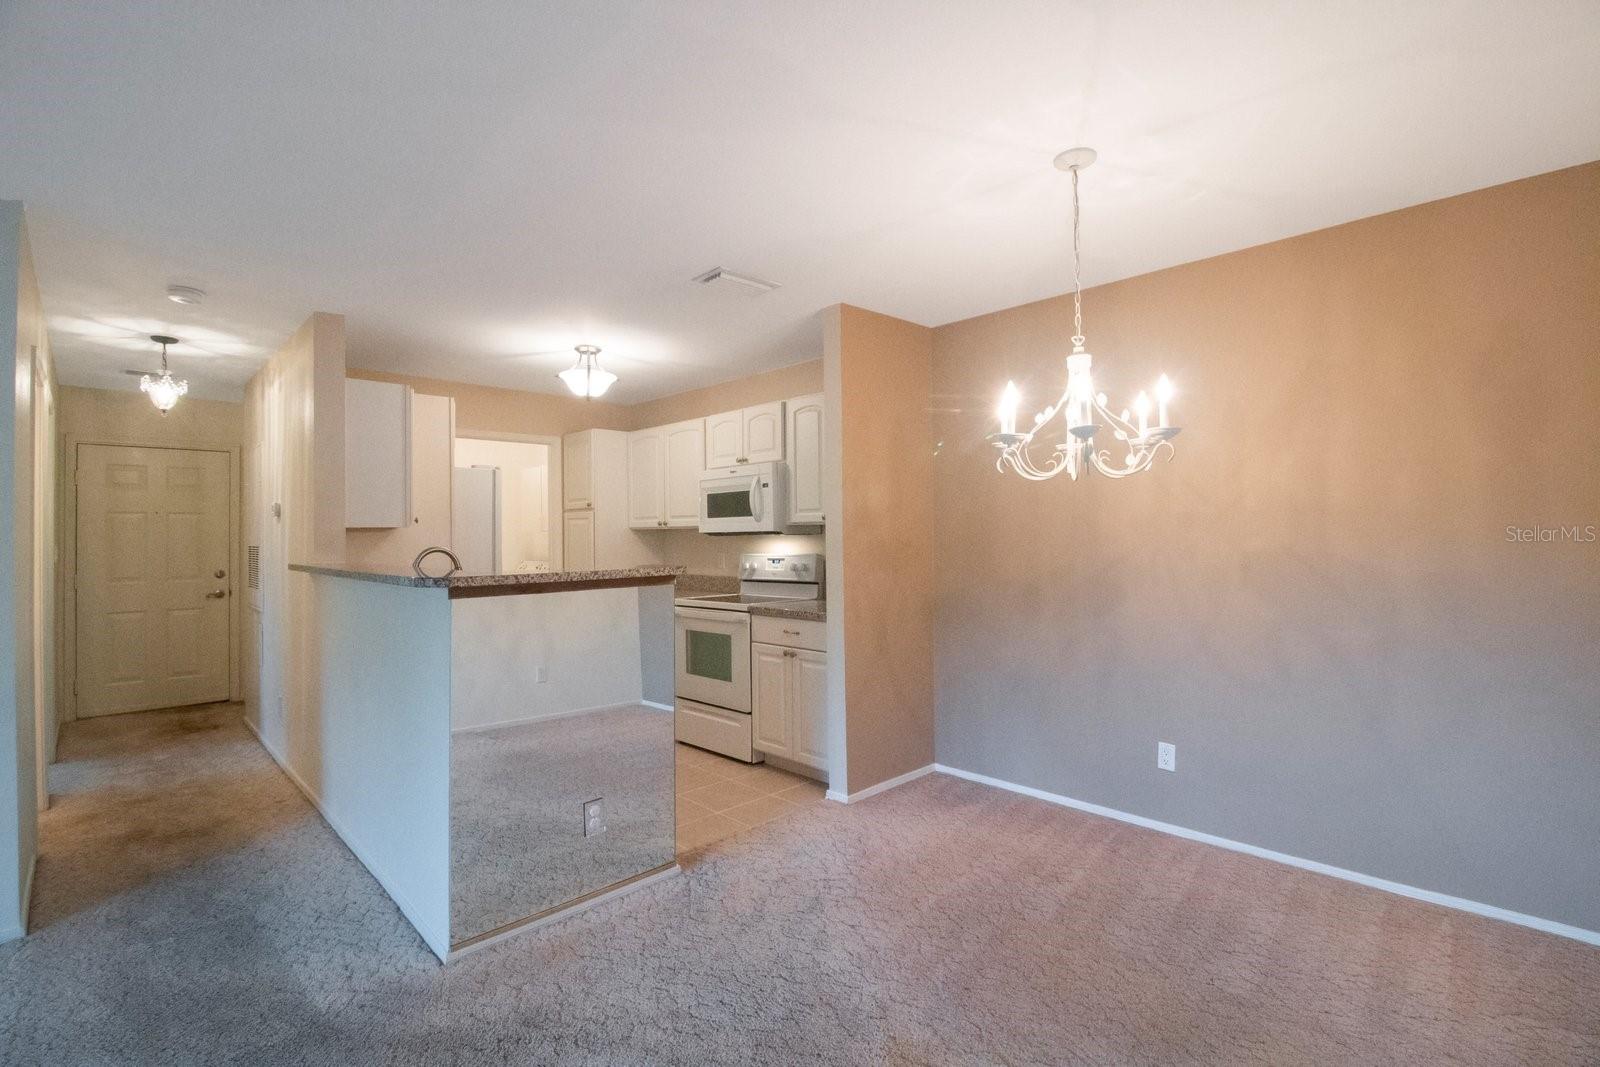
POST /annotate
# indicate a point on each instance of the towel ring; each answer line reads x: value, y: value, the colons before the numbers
x: 416, y: 564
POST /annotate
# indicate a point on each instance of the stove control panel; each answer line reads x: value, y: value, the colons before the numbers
x: 804, y: 567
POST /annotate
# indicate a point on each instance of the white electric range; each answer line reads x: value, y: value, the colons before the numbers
x: 713, y: 650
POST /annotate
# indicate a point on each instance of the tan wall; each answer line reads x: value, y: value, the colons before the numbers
x: 294, y: 459
x: 1316, y: 600
x: 486, y: 409
x: 91, y: 414
x: 881, y: 545
x: 781, y: 384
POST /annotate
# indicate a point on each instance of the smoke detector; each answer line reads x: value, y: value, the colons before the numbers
x: 185, y: 294
x: 722, y: 278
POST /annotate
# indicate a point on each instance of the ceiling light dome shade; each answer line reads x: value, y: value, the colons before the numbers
x: 585, y: 378
x: 163, y: 389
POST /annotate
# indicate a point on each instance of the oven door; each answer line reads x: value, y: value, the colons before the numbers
x: 736, y: 503
x: 713, y: 654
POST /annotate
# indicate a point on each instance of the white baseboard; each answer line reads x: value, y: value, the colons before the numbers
x: 564, y: 912
x: 437, y: 941
x: 556, y: 715
x: 658, y: 705
x: 1549, y: 926
x: 881, y: 787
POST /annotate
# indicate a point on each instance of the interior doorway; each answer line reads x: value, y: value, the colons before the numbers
x: 506, y: 504
x: 153, y: 579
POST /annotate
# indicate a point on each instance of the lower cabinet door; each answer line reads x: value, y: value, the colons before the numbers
x: 577, y: 540
x: 808, y: 708
x: 769, y: 676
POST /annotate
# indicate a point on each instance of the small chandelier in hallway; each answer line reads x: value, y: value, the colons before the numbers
x: 1080, y: 406
x: 585, y: 378
x: 163, y: 389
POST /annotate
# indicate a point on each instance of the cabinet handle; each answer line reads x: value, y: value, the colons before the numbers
x: 792, y: 633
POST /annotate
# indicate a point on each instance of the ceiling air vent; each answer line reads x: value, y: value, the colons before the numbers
x: 722, y: 278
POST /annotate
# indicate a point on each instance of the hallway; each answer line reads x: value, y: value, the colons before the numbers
x: 191, y: 907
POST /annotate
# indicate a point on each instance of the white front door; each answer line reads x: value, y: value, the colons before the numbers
x: 153, y: 579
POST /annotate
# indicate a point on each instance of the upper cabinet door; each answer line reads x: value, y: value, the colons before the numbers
x: 763, y: 433
x: 686, y: 461
x: 805, y: 430
x: 646, y: 479
x: 577, y: 480
x: 377, y: 454
x: 725, y: 439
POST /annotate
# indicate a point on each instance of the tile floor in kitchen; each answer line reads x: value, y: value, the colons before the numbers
x: 719, y: 797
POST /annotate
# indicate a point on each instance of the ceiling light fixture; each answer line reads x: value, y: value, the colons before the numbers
x: 585, y: 378
x: 164, y: 390
x: 185, y: 294
x: 1080, y: 404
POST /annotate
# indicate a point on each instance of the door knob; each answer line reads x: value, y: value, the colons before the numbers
x: 216, y: 594
x: 219, y: 573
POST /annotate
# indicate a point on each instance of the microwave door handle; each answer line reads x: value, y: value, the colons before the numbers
x: 755, y: 498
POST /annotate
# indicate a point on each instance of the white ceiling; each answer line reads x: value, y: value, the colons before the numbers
x: 472, y: 185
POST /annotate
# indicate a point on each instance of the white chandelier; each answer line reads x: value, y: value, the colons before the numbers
x: 163, y: 390
x: 585, y: 378
x: 1080, y: 406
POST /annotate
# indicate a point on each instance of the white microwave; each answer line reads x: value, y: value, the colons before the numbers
x: 749, y: 498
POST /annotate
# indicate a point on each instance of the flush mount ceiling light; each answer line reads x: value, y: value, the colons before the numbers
x: 163, y: 390
x: 185, y: 294
x: 585, y: 378
x: 1080, y: 405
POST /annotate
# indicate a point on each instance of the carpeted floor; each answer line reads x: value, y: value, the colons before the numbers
x: 191, y: 908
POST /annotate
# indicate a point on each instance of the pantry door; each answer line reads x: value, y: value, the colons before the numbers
x: 153, y: 579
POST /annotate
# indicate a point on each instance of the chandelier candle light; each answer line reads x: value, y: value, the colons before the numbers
x: 163, y: 390
x: 1079, y: 405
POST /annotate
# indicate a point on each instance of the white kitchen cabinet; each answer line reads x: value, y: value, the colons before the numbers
x: 769, y: 679
x: 647, y: 479
x: 664, y: 468
x: 377, y: 454
x: 790, y: 706
x: 749, y: 435
x: 724, y: 439
x: 686, y: 462
x: 577, y: 540
x: 804, y: 430
x: 808, y: 707
x: 594, y: 467
x: 577, y: 480
x: 763, y: 433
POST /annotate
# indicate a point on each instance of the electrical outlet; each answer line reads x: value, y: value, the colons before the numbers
x: 540, y: 674
x: 1166, y: 756
x: 594, y: 817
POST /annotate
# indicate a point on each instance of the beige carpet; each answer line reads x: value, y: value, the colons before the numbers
x: 191, y: 908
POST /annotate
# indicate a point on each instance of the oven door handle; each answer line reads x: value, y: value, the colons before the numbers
x: 711, y: 615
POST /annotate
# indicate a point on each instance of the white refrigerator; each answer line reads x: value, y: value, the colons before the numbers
x: 475, y: 519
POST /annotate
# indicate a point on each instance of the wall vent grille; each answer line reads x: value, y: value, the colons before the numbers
x: 253, y: 567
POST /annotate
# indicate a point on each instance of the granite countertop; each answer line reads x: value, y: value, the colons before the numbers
x: 508, y: 581
x: 808, y: 610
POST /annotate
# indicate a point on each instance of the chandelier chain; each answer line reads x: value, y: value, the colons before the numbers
x: 1077, y: 269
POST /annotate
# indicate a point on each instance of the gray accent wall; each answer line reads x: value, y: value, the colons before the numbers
x: 1341, y: 599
